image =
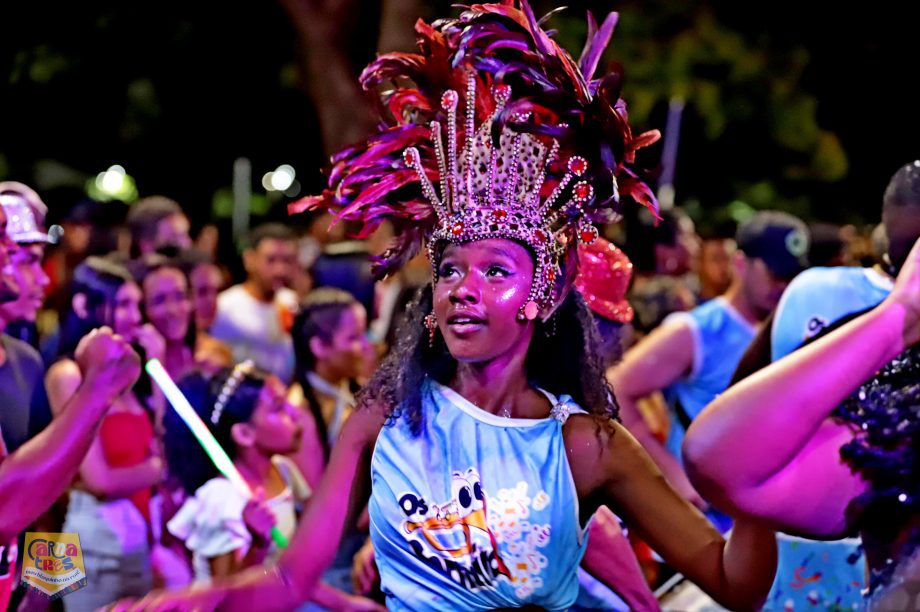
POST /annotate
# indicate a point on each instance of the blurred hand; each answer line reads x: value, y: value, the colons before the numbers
x: 150, y: 339
x: 364, y: 574
x: 259, y: 519
x: 107, y: 362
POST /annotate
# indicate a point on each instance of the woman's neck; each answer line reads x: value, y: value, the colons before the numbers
x: 499, y: 386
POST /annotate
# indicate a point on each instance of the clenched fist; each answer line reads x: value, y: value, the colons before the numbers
x: 107, y: 362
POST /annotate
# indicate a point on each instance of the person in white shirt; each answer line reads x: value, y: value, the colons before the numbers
x: 254, y: 318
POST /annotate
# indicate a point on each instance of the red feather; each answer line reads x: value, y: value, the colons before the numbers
x: 502, y: 42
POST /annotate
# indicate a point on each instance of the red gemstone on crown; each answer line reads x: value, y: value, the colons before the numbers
x: 408, y: 158
x: 501, y: 92
x: 583, y: 191
x: 578, y: 165
x: 540, y: 235
x: 588, y: 234
x: 457, y: 229
x: 551, y: 275
x: 499, y: 214
x: 449, y: 99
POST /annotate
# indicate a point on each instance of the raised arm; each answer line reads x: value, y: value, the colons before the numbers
x: 784, y: 462
x: 34, y: 476
x: 656, y: 362
x: 611, y: 468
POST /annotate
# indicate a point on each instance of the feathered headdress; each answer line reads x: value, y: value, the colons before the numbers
x: 547, y: 151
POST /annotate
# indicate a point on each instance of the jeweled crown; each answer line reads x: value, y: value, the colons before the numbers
x: 493, y: 190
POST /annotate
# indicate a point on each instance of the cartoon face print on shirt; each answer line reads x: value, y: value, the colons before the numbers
x: 454, y: 537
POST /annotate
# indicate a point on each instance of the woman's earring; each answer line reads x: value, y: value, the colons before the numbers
x: 528, y: 312
x: 431, y: 322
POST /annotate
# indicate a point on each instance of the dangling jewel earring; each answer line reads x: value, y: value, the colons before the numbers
x: 431, y: 322
x: 529, y: 312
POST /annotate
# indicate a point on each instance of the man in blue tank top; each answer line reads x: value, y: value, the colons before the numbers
x: 692, y: 355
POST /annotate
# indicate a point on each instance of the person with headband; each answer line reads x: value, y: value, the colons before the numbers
x: 489, y: 433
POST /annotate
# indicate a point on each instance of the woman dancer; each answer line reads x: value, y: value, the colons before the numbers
x: 489, y: 430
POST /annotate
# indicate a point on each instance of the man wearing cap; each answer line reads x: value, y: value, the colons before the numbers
x: 21, y: 368
x: 692, y: 355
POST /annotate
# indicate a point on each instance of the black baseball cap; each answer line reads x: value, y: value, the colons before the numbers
x: 779, y: 239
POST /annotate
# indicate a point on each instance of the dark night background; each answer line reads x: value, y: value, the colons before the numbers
x: 807, y: 106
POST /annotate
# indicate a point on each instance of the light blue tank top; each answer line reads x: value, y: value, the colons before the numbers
x: 720, y: 337
x: 477, y: 511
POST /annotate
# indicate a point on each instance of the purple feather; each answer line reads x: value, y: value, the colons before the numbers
x: 597, y: 42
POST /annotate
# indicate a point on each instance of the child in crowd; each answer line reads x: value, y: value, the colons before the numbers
x: 247, y: 411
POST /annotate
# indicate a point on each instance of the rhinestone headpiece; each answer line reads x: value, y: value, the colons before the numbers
x: 489, y: 191
x: 229, y: 388
x: 541, y: 167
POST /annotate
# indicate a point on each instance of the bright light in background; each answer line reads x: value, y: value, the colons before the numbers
x: 112, y: 180
x: 113, y: 184
x: 282, y: 179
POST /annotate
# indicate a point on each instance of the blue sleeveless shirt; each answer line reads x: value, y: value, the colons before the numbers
x: 477, y: 511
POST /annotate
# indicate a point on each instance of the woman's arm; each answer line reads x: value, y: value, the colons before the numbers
x: 785, y: 462
x: 611, y: 468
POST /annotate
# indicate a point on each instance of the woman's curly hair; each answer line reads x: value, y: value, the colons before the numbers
x: 564, y: 358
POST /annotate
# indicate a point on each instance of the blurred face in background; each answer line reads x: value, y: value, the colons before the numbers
x: 715, y: 267
x: 206, y: 282
x: 346, y: 352
x: 31, y: 278
x: 762, y: 289
x: 275, y: 423
x: 126, y: 310
x: 270, y: 265
x: 166, y: 303
x: 173, y: 231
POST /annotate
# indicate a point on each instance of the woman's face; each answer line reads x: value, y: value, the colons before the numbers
x: 276, y: 422
x: 166, y: 303
x: 481, y: 287
x: 346, y: 351
x: 126, y: 314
